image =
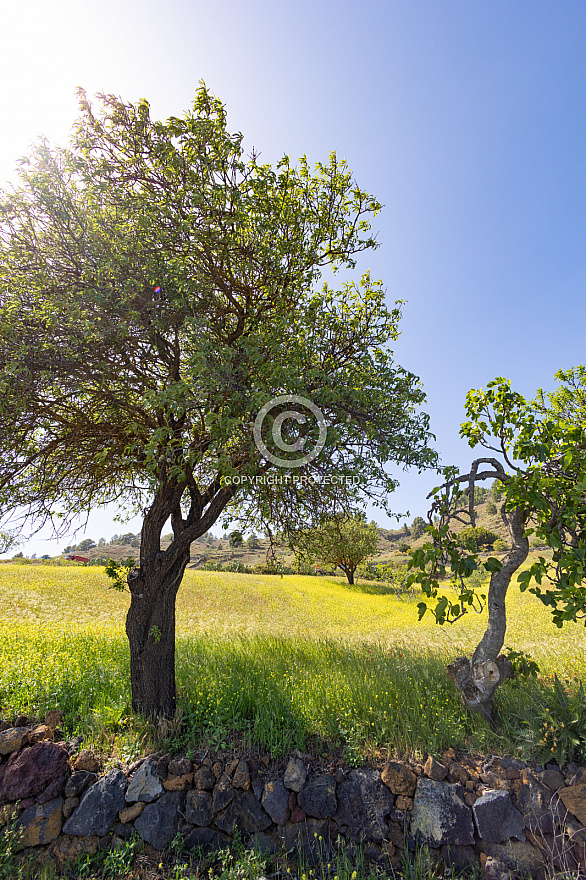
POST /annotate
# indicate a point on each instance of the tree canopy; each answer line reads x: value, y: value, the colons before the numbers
x: 158, y: 289
x: 537, y: 453
x: 343, y: 542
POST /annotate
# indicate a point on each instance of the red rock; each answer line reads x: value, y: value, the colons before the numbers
x: 37, y: 772
x: 297, y: 814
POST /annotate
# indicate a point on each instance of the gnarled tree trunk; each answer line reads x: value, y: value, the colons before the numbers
x: 478, y: 678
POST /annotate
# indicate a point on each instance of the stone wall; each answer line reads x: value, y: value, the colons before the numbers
x: 494, y: 810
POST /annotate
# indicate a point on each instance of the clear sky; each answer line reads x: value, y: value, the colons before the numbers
x: 466, y: 118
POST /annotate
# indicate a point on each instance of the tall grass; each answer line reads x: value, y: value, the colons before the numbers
x: 281, y: 661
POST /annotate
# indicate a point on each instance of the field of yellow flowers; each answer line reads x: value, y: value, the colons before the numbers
x: 281, y: 661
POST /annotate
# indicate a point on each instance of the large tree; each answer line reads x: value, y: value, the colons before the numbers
x: 537, y: 456
x: 158, y: 288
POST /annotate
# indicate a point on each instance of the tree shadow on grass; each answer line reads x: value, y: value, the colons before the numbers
x: 373, y: 588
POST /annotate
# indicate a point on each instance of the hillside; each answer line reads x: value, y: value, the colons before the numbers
x: 393, y: 545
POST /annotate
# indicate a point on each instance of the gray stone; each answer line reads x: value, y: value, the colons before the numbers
x: 275, y: 801
x: 223, y: 793
x: 513, y: 763
x: 122, y: 832
x: 198, y: 809
x: 179, y: 767
x: 158, y: 823
x: 243, y: 812
x: 206, y: 840
x: 520, y: 858
x: 263, y: 844
x: 204, y: 779
x: 553, y: 779
x: 241, y: 778
x: 99, y: 806
x: 309, y: 841
x: 161, y: 765
x: 78, y: 782
x: 41, y: 824
x: 318, y: 798
x: 495, y: 869
x: 496, y: 818
x: 295, y: 775
x: 69, y: 805
x: 145, y: 786
x: 439, y: 816
x: 257, y: 786
x: 364, y: 802
x: 534, y: 804
x: 460, y: 858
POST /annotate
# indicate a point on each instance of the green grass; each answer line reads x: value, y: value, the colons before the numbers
x: 285, y: 662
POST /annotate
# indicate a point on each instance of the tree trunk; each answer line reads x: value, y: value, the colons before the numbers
x: 349, y: 572
x: 150, y: 626
x: 478, y: 678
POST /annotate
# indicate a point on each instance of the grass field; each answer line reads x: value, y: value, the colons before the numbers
x: 283, y: 661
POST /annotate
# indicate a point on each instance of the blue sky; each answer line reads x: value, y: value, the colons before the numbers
x: 467, y: 119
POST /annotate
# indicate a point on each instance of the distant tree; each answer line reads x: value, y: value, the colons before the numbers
x: 538, y: 456
x: 253, y: 543
x: 417, y: 527
x: 86, y: 544
x: 236, y: 539
x: 342, y: 542
x: 101, y: 542
x: 475, y: 537
x: 490, y: 508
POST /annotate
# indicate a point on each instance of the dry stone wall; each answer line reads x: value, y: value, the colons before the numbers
x: 497, y: 811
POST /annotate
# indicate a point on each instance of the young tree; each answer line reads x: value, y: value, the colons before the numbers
x: 236, y: 539
x: 158, y: 294
x: 344, y: 542
x: 538, y: 457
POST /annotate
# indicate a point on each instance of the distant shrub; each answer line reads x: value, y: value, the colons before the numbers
x: 476, y: 537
